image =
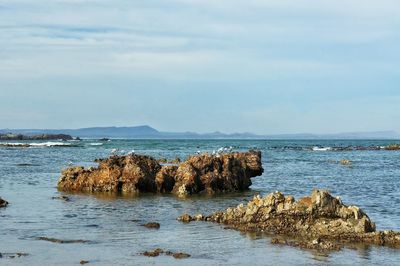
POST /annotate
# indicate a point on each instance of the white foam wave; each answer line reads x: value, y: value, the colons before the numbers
x: 49, y: 144
x: 12, y: 144
x: 96, y: 144
x: 34, y: 144
x: 321, y: 149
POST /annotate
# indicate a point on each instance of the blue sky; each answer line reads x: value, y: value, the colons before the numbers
x: 178, y: 65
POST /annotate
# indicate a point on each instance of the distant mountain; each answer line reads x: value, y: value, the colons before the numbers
x: 348, y: 135
x: 141, y: 132
x: 93, y: 132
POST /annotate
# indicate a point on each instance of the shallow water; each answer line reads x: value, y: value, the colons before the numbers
x: 112, y: 224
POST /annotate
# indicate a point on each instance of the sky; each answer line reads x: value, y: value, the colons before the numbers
x: 260, y: 66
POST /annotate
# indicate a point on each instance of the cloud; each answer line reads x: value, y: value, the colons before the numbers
x: 253, y: 52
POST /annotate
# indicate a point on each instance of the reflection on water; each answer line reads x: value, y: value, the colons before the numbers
x: 112, y: 223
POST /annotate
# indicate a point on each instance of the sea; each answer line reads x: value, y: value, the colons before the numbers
x: 112, y: 224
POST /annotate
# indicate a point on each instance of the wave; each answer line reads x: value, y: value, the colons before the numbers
x: 322, y: 149
x: 96, y: 144
x: 35, y: 144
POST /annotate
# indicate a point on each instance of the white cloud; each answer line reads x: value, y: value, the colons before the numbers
x: 280, y: 47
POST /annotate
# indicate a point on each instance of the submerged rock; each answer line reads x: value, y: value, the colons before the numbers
x: 345, y: 162
x: 63, y: 198
x: 8, y: 255
x: 153, y: 253
x: 134, y: 173
x: 158, y: 251
x: 61, y: 241
x: 3, y: 203
x: 180, y: 255
x: 318, y: 221
x: 152, y: 225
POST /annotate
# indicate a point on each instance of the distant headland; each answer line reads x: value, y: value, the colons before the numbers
x: 13, y: 136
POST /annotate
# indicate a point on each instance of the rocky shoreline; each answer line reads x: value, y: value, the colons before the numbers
x: 319, y: 221
x: 204, y: 173
x: 11, y: 136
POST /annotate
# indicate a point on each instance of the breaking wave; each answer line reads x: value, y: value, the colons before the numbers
x: 96, y: 144
x: 35, y: 144
x: 322, y: 149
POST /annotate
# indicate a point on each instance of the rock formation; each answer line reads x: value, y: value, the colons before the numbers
x: 133, y: 173
x: 319, y: 221
x: 392, y: 147
x: 11, y: 136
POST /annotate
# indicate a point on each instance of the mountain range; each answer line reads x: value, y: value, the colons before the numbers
x: 141, y: 132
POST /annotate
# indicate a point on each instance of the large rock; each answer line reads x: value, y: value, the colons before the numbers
x: 127, y: 174
x: 217, y: 173
x: 204, y: 173
x: 314, y: 220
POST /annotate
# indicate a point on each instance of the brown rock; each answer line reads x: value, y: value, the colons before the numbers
x: 84, y: 262
x: 137, y: 173
x: 392, y: 147
x: 180, y: 255
x: 186, y: 218
x: 158, y: 251
x: 316, y: 222
x: 217, y: 173
x: 128, y: 174
x: 345, y: 162
x: 152, y: 225
x: 153, y: 253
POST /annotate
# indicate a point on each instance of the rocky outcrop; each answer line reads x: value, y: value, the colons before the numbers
x: 3, y: 203
x: 212, y: 174
x: 392, y: 147
x: 11, y: 136
x: 319, y: 221
x: 133, y: 173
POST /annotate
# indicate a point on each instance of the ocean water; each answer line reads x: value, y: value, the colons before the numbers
x: 112, y: 224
